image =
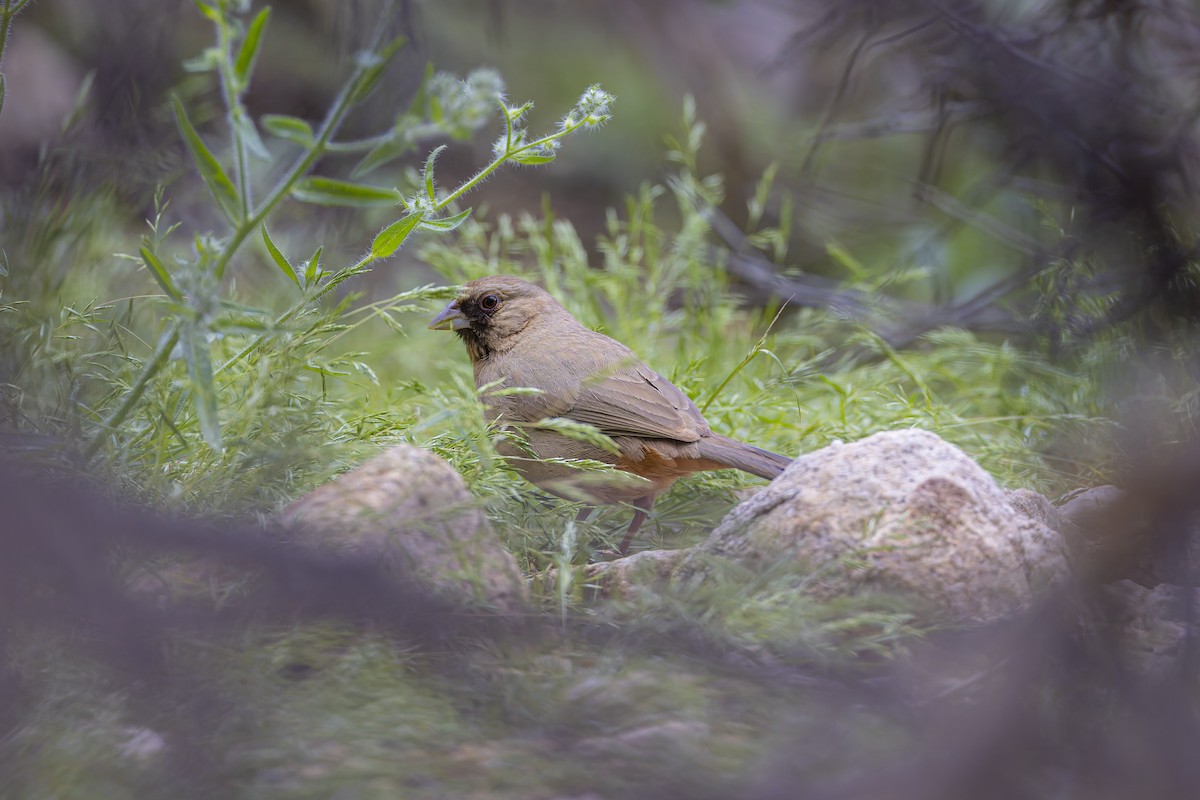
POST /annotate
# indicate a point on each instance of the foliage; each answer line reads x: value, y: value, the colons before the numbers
x: 251, y: 375
x: 199, y: 385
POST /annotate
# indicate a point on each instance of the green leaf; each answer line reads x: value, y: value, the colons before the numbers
x: 279, y: 258
x: 312, y: 268
x: 390, y: 238
x: 249, y: 134
x: 249, y: 51
x: 209, y: 168
x: 331, y: 192
x: 290, y: 128
x: 447, y: 223
x: 430, y: 190
x: 204, y: 388
x: 208, y: 61
x: 209, y: 10
x: 381, y: 154
x: 375, y: 65
x: 160, y: 273
x: 323, y: 368
x: 579, y: 431
x: 532, y: 160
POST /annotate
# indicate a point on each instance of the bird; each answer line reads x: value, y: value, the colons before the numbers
x: 534, y: 362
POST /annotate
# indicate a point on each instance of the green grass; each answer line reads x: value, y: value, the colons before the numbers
x: 306, y: 387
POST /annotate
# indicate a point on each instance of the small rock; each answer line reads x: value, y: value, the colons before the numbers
x: 1116, y: 541
x: 1150, y: 625
x: 631, y: 577
x: 1110, y: 546
x: 141, y: 744
x: 901, y: 511
x: 1088, y: 508
x: 657, y: 738
x: 1036, y: 507
x: 412, y: 511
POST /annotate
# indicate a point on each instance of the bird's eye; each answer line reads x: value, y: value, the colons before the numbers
x: 489, y: 302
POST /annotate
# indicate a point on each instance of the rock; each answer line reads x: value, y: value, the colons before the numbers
x: 183, y: 578
x: 903, y: 512
x: 141, y: 744
x: 1150, y: 625
x: 1110, y: 545
x: 1114, y: 536
x: 412, y: 511
x: 660, y: 738
x: 1089, y: 508
x: 633, y: 576
x: 1036, y: 507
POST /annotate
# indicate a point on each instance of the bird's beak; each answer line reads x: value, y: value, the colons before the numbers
x: 449, y: 318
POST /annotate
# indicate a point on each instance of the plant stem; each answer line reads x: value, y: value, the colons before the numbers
x: 152, y: 368
x: 354, y: 269
x: 7, y: 14
x: 337, y: 278
x: 414, y: 134
x: 474, y: 181
x: 302, y: 165
x: 233, y: 106
x: 298, y: 170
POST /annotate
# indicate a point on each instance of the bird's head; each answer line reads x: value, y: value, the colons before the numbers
x: 490, y: 313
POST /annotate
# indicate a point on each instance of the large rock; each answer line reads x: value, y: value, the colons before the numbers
x: 902, y: 512
x: 412, y: 511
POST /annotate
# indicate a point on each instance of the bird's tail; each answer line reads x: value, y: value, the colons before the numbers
x: 745, y: 457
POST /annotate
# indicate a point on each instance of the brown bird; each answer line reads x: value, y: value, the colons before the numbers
x: 517, y: 335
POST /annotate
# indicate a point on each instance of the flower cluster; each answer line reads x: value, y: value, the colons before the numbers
x: 591, y: 110
x: 462, y: 107
x: 419, y: 202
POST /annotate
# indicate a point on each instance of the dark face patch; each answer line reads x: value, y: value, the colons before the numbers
x: 497, y: 309
x: 480, y: 308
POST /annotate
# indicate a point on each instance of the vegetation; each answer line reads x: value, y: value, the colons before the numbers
x: 208, y: 370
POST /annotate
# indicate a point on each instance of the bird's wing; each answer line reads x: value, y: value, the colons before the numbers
x: 637, y: 401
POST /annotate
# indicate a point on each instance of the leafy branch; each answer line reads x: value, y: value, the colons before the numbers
x: 195, y: 311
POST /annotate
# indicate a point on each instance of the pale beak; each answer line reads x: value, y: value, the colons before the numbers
x: 449, y: 318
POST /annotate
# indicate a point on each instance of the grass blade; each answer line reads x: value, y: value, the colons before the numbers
x: 160, y: 274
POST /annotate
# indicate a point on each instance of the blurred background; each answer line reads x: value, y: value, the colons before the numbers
x: 962, y: 151
x: 978, y: 218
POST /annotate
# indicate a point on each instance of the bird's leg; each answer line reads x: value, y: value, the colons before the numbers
x: 643, y: 506
x: 584, y: 513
